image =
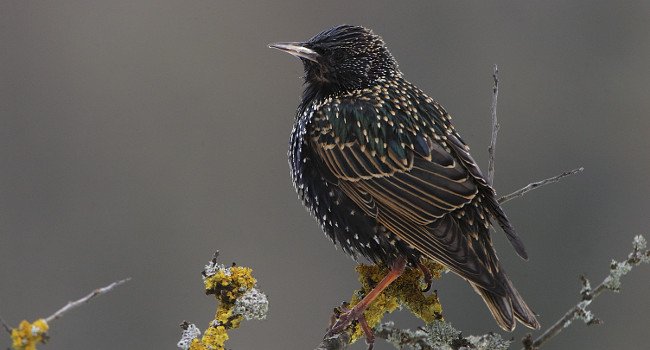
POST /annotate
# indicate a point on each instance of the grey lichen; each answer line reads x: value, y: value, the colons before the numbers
x: 640, y: 249
x: 253, y: 305
x: 401, y: 338
x: 213, y: 267
x: 490, y: 341
x: 619, y: 269
x: 190, y: 332
x: 616, y: 271
x: 439, y: 335
x: 583, y: 314
x: 442, y: 333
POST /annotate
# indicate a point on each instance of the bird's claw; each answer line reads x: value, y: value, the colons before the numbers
x: 427, y: 276
x: 343, y: 317
x: 341, y: 322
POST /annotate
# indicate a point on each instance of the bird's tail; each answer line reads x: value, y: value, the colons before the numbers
x: 506, y: 308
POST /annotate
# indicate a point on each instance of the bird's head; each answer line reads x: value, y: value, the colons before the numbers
x: 342, y: 59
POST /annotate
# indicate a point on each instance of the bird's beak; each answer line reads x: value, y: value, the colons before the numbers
x: 297, y: 49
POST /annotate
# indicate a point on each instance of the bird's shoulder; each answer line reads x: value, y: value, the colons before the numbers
x: 388, y: 111
x: 391, y: 122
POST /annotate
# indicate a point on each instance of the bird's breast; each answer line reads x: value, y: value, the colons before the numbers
x: 343, y: 222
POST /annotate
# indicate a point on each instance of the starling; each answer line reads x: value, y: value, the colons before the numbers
x: 380, y: 166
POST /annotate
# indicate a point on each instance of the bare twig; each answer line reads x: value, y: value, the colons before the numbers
x: 73, y: 304
x: 612, y: 282
x: 520, y: 192
x: 5, y: 325
x: 495, y: 125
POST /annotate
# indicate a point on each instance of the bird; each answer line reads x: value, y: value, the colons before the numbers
x: 381, y: 167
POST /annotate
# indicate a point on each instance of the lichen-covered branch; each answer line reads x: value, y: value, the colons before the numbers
x: 617, y: 269
x: 439, y: 335
x: 335, y: 342
x: 27, y: 335
x: 406, y: 291
x: 235, y: 289
x: 436, y: 335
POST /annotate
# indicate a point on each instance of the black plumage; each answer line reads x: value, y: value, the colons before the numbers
x: 378, y: 163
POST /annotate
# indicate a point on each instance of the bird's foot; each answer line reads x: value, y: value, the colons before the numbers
x: 344, y: 317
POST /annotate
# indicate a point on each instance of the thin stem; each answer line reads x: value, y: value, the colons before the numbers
x: 73, y: 304
x: 520, y: 192
x: 495, y: 125
x: 5, y: 325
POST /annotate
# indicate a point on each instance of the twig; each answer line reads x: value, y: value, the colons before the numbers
x: 73, y: 304
x: 5, y: 325
x: 520, y: 192
x: 495, y: 125
x: 612, y: 282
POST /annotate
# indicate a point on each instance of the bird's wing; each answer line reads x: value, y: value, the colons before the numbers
x: 405, y: 178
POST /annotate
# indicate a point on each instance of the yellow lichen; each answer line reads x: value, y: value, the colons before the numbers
x: 27, y: 335
x: 230, y: 284
x: 197, y: 344
x: 404, y: 291
x: 227, y: 285
x: 215, y: 337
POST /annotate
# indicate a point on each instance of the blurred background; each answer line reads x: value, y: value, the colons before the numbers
x: 136, y: 138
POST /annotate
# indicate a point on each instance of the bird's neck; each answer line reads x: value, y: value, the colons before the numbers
x: 313, y: 92
x: 317, y: 90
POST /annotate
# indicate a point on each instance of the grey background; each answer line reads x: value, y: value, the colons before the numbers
x: 138, y: 137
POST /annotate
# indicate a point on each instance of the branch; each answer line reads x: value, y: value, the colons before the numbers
x: 495, y: 125
x: 405, y: 292
x: 73, y: 304
x: 640, y: 254
x: 401, y: 338
x: 235, y: 290
x: 493, y: 145
x: 335, y: 342
x: 520, y: 192
x: 27, y: 335
x: 439, y: 335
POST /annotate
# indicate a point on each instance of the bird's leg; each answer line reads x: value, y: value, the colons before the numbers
x: 426, y: 273
x: 357, y: 311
